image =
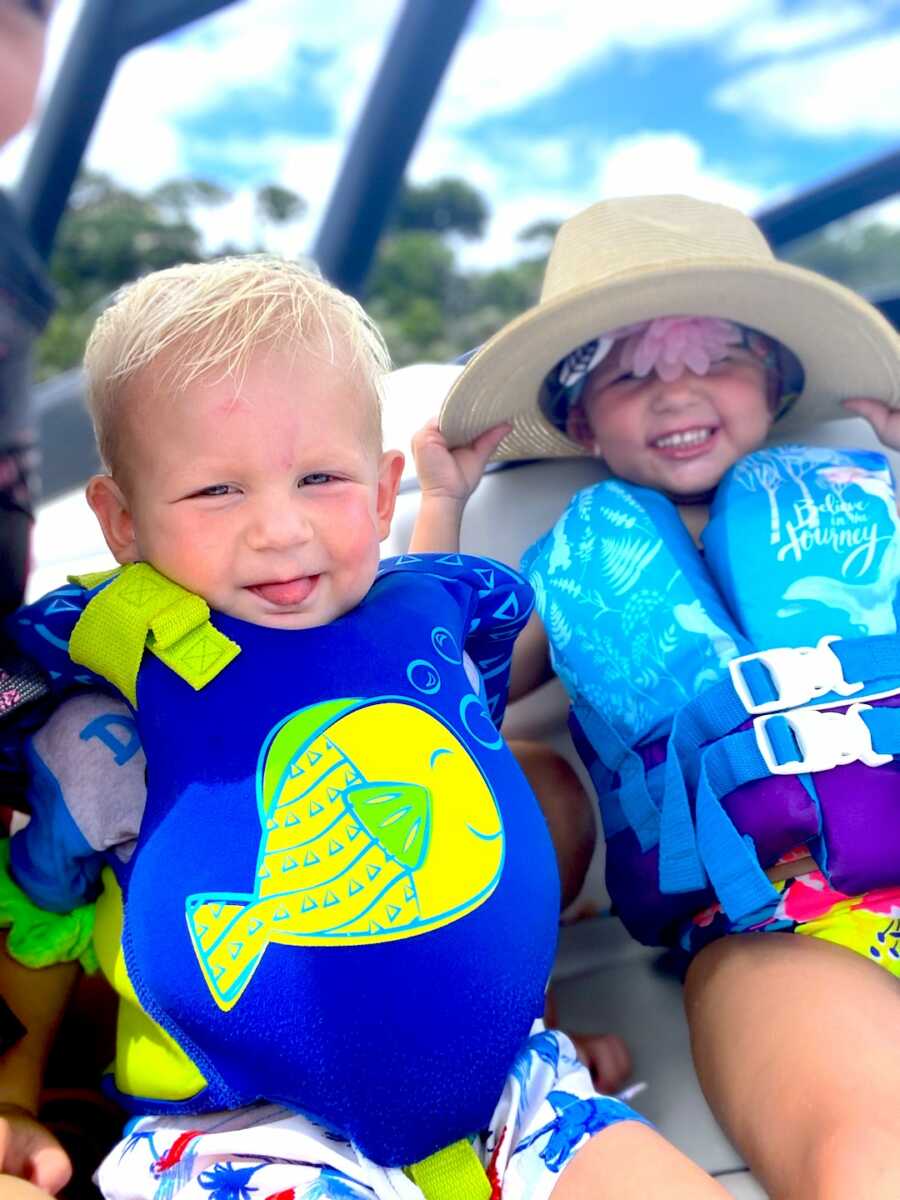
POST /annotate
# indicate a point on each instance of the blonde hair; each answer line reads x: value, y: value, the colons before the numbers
x: 200, y: 317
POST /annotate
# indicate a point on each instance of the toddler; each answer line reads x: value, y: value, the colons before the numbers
x: 330, y: 911
x: 667, y: 342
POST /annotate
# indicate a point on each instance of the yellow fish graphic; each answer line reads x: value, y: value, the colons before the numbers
x: 377, y: 824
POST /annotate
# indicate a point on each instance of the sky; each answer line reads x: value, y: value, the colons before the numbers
x: 547, y: 105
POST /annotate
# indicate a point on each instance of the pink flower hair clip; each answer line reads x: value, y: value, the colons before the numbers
x: 668, y: 345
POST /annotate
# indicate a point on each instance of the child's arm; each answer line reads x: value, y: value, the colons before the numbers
x: 447, y: 479
x: 38, y: 998
x: 884, y: 420
x: 531, y: 665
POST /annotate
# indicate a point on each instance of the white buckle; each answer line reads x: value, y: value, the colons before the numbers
x: 800, y: 674
x: 825, y: 740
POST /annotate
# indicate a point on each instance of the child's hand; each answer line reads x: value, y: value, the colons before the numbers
x: 453, y: 474
x: 30, y: 1151
x: 884, y: 420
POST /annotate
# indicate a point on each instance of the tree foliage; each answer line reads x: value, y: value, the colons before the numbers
x: 863, y: 256
x: 109, y: 236
x: 445, y: 206
x: 279, y: 204
x: 428, y: 303
x: 429, y: 306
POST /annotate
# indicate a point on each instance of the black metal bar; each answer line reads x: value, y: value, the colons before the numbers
x: 829, y: 201
x: 84, y: 78
x: 68, y: 449
x: 417, y: 56
x: 106, y: 31
x: 149, y: 19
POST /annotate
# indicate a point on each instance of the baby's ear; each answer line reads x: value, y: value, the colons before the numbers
x: 110, y: 506
x: 390, y: 472
x: 578, y: 428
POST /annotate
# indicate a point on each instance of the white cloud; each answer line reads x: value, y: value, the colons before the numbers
x: 512, y: 214
x: 781, y: 33
x: 887, y: 211
x: 517, y: 50
x: 660, y: 163
x: 296, y: 163
x: 647, y: 163
x: 136, y: 137
x: 832, y: 94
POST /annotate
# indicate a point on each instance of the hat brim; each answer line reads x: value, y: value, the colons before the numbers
x: 846, y: 347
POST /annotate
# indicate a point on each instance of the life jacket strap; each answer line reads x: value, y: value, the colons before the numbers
x: 759, y: 684
x: 634, y: 798
x: 454, y: 1173
x: 141, y: 609
x: 797, y: 742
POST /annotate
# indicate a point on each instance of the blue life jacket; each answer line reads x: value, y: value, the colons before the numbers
x: 343, y: 896
x: 701, y: 684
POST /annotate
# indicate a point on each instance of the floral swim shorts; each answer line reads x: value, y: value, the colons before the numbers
x: 808, y: 904
x: 548, y: 1109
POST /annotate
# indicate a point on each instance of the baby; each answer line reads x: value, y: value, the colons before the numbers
x: 667, y: 342
x: 330, y: 911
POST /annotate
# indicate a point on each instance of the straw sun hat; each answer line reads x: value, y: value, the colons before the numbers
x: 629, y: 260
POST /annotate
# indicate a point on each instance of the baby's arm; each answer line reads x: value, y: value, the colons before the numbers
x: 27, y: 1149
x: 447, y: 479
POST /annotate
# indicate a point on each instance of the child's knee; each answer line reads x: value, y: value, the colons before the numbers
x: 856, y: 1155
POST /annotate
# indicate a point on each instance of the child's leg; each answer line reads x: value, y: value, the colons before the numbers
x: 569, y: 814
x: 567, y: 810
x: 12, y: 1188
x: 795, y: 1043
x: 552, y: 1135
x: 632, y: 1162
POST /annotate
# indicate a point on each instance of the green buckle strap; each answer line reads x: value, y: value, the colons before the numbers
x: 454, y: 1173
x: 140, y: 608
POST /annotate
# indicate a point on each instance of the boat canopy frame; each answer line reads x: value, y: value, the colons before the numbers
x: 417, y: 53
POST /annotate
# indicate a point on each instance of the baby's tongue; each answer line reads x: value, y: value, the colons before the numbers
x: 292, y: 591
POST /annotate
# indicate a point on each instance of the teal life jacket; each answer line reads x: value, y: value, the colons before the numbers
x: 717, y: 696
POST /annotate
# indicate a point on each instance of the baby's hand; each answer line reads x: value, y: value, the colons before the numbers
x: 884, y: 420
x: 30, y: 1151
x: 453, y: 474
